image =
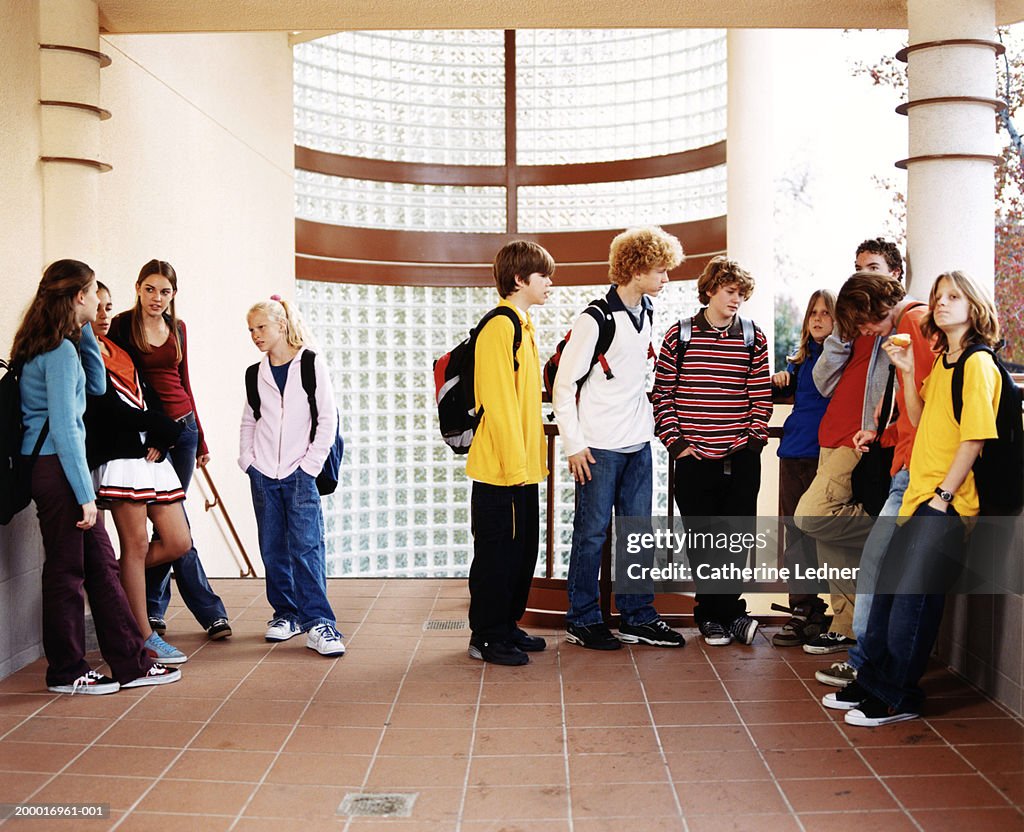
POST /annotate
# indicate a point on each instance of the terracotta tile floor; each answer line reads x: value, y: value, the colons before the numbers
x: 273, y: 737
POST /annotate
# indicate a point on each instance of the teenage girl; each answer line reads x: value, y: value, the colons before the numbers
x: 282, y: 463
x: 902, y: 627
x: 127, y: 438
x: 59, y: 361
x: 157, y: 341
x: 798, y: 464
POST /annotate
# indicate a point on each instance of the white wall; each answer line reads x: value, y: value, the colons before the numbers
x: 201, y: 144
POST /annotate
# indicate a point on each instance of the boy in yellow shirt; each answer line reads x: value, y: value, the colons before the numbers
x: 507, y: 460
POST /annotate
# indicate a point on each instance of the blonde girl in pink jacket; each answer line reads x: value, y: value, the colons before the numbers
x: 282, y: 463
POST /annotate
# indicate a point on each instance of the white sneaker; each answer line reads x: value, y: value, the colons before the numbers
x: 326, y: 640
x: 281, y: 629
x: 89, y: 682
x: 156, y: 675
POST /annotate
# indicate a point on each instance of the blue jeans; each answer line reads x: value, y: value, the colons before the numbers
x: 195, y: 589
x: 902, y: 626
x: 290, y: 524
x: 619, y: 481
x: 871, y: 559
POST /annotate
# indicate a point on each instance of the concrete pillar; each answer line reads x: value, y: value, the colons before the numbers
x: 751, y: 172
x: 950, y: 206
x: 70, y: 192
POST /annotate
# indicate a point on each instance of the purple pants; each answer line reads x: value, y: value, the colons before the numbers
x: 76, y: 560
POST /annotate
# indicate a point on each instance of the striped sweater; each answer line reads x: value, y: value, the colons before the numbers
x: 720, y: 400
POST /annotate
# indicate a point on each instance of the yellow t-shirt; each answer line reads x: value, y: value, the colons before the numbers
x: 508, y: 446
x: 939, y: 435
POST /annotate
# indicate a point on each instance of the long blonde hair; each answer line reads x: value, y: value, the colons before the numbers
x: 983, y: 323
x: 280, y: 311
x: 800, y: 354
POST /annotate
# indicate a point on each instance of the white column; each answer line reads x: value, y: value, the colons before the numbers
x: 70, y: 193
x: 950, y: 205
x: 751, y: 172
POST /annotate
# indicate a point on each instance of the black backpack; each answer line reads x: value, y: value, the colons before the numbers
x: 999, y: 469
x: 15, y: 472
x: 457, y: 413
x: 327, y: 479
x: 600, y: 311
x: 686, y: 333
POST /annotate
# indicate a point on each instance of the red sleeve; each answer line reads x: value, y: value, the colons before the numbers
x: 187, y: 385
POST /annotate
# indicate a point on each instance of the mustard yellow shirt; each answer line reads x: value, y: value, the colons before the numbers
x: 508, y: 446
x: 939, y: 435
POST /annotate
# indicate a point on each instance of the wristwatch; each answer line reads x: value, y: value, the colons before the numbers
x: 945, y: 496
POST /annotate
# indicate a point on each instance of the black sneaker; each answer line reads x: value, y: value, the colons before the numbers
x: 527, y: 643
x: 845, y: 699
x: 497, y: 652
x: 655, y: 632
x: 839, y: 674
x: 157, y: 625
x: 714, y: 633
x: 807, y: 623
x: 592, y: 636
x: 89, y: 682
x: 744, y: 628
x: 218, y: 629
x: 873, y: 712
x: 829, y: 643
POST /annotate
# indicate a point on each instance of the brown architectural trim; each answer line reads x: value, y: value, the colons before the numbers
x: 994, y: 45
x: 932, y: 157
x: 380, y: 170
x: 103, y: 58
x: 995, y: 103
x: 77, y: 105
x: 511, y: 130
x: 102, y: 167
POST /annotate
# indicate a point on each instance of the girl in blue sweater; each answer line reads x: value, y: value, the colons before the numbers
x: 798, y: 463
x: 59, y: 361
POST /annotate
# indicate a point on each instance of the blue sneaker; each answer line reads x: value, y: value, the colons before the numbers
x: 163, y: 652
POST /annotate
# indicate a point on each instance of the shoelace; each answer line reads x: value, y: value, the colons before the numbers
x: 84, y: 680
x: 326, y: 631
x: 659, y: 624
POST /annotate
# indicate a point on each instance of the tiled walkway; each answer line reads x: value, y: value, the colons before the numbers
x: 273, y: 737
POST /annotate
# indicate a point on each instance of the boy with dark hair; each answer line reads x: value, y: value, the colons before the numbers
x: 507, y: 460
x: 712, y: 403
x: 879, y: 255
x: 606, y: 431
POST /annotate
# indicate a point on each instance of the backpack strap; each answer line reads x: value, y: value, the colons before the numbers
x: 252, y: 393
x: 683, y: 342
x: 601, y: 312
x: 517, y: 330
x: 307, y: 369
x: 958, y: 376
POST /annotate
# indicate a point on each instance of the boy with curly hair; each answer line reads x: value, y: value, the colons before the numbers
x: 606, y: 423
x: 712, y: 403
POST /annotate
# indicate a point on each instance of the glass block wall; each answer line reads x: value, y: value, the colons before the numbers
x: 402, y: 506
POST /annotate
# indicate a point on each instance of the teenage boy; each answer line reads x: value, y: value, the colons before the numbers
x: 606, y: 431
x: 853, y: 370
x: 711, y: 411
x: 506, y: 461
x: 875, y: 304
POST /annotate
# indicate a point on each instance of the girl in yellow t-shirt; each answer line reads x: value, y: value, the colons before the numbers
x: 902, y: 627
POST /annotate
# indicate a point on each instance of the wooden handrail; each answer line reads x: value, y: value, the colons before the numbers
x: 217, y: 502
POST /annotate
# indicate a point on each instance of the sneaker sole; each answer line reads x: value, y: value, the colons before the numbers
x: 329, y: 654
x: 149, y: 681
x: 282, y: 638
x: 615, y: 644
x: 219, y: 635
x: 474, y: 653
x: 97, y: 690
x: 167, y: 659
x: 779, y: 640
x: 855, y: 717
x: 718, y: 641
x: 838, y: 704
x: 834, y: 681
x: 824, y: 651
x: 629, y: 639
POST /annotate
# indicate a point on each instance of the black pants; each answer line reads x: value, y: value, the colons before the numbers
x: 708, y: 488
x: 506, y: 535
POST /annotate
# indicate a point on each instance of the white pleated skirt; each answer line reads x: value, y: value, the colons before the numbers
x: 137, y: 480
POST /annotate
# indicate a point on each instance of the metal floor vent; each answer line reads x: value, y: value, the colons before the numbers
x: 378, y: 805
x: 442, y: 624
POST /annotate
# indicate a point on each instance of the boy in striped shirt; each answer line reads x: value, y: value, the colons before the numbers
x: 712, y: 403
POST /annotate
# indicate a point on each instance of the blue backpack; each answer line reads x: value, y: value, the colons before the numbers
x: 327, y: 480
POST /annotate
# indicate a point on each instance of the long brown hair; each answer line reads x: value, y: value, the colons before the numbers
x: 800, y: 354
x: 983, y: 324
x: 138, y: 329
x: 50, y: 318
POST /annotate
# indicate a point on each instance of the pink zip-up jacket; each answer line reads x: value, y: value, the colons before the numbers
x: 278, y: 443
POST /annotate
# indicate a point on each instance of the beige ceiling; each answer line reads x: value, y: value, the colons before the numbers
x: 124, y: 16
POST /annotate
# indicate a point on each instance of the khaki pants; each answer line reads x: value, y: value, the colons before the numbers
x: 827, y: 513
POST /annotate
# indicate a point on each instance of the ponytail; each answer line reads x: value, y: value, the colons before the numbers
x: 279, y: 310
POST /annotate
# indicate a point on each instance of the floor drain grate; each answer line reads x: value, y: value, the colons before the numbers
x: 377, y: 805
x: 450, y: 624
